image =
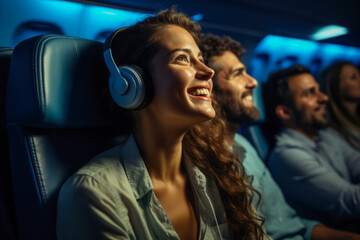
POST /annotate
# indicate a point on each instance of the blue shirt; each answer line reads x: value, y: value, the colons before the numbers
x: 281, y: 221
x: 321, y: 180
x: 112, y: 198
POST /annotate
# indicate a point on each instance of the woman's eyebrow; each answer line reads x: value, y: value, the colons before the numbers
x: 187, y: 50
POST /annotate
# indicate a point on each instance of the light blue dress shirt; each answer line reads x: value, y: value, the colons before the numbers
x: 321, y: 180
x: 112, y: 197
x: 281, y: 221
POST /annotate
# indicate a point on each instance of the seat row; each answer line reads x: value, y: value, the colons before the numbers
x: 53, y: 119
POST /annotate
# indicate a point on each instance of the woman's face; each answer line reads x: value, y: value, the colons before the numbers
x: 349, y: 83
x: 182, y: 83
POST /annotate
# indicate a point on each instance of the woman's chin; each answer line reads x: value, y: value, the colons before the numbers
x: 208, y: 114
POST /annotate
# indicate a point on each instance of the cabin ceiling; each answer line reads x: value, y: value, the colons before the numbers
x: 259, y: 18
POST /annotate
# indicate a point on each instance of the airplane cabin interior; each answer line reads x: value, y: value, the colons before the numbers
x: 51, y: 49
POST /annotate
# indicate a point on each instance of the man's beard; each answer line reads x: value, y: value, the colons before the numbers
x: 310, y: 123
x: 235, y: 111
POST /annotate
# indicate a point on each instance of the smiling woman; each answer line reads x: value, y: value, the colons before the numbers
x: 341, y: 81
x: 173, y: 178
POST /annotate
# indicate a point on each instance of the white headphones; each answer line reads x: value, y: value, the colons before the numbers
x: 129, y: 86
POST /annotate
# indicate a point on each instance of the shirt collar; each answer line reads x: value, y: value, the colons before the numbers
x: 135, y: 169
x: 139, y: 178
x: 238, y: 149
x: 195, y: 175
x: 294, y: 137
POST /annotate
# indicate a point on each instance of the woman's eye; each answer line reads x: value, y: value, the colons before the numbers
x: 181, y: 59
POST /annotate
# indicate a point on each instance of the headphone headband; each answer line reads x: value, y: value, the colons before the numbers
x: 110, y: 38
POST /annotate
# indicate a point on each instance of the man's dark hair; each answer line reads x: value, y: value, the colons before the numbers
x: 276, y: 90
x: 212, y: 45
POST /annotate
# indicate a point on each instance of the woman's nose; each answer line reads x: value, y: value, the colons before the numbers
x: 204, y: 72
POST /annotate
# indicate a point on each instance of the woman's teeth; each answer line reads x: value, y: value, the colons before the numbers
x: 200, y: 92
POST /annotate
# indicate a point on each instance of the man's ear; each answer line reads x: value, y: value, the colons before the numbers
x: 283, y: 112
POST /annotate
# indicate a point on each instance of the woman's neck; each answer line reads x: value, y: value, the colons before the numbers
x: 351, y: 107
x: 161, y: 149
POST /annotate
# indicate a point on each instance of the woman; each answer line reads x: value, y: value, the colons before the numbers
x: 170, y: 179
x: 342, y: 83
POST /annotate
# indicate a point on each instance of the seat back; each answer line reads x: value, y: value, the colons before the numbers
x: 57, y: 120
x: 7, y: 211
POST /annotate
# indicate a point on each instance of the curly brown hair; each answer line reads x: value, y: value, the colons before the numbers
x: 213, y: 45
x: 203, y: 143
x: 229, y: 169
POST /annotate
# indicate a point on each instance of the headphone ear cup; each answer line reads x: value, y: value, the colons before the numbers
x: 148, y: 86
x: 129, y: 86
x: 139, y: 92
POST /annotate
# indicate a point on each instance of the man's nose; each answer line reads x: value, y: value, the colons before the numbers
x: 323, y: 97
x: 251, y: 82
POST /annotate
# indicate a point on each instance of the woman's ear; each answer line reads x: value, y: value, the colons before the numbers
x: 283, y: 112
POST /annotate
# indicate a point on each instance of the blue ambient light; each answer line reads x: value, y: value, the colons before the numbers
x: 197, y: 17
x: 329, y: 31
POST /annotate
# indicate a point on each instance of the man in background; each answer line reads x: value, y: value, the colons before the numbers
x: 318, y: 172
x: 233, y: 102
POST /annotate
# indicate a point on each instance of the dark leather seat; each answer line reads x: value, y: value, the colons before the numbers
x: 57, y: 120
x: 7, y: 211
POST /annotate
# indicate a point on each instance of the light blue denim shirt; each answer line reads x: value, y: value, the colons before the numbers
x: 281, y: 221
x: 321, y: 180
x: 112, y: 197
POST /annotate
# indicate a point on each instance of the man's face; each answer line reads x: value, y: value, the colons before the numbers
x: 233, y: 88
x: 309, y: 104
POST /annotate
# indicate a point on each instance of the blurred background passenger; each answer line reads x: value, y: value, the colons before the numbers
x: 341, y: 82
x: 318, y: 171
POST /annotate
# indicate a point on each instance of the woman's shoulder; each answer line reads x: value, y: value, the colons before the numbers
x: 100, y: 184
x: 105, y: 162
x: 105, y: 170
